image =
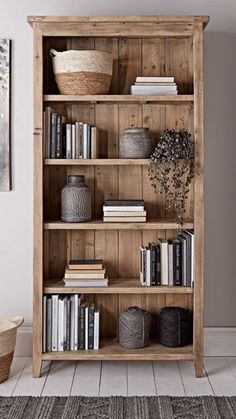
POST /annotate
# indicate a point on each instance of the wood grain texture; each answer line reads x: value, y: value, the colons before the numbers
x: 119, y: 98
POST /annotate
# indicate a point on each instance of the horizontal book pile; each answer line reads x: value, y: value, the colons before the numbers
x: 69, y: 324
x: 68, y: 141
x: 169, y: 262
x: 122, y: 211
x: 154, y: 86
x: 85, y: 273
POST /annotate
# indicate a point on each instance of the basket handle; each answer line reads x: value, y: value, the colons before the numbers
x: 53, y: 52
x: 18, y: 320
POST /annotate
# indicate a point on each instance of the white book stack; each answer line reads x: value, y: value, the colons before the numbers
x: 121, y: 211
x: 154, y: 86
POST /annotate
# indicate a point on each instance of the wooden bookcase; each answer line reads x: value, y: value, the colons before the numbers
x: 141, y: 45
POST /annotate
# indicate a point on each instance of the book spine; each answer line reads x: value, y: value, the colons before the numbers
x: 89, y: 145
x: 94, y: 143
x: 64, y: 322
x: 72, y: 323
x: 177, y: 268
x: 73, y: 142
x: 85, y: 141
x: 49, y: 324
x: 81, y: 140
x: 44, y: 349
x: 77, y: 140
x: 86, y: 327
x: 54, y: 322
x: 53, y: 134
x: 60, y: 324
x: 141, y: 265
x: 68, y: 321
x: 158, y: 270
x: 144, y: 266
x: 164, y: 264
x: 82, y: 328
x: 170, y: 263
x: 90, y: 328
x: 148, y: 277
x: 68, y: 142
x: 96, y: 329
x: 59, y: 138
x: 48, y: 132
x: 76, y: 322
x: 153, y: 265
x: 63, y: 140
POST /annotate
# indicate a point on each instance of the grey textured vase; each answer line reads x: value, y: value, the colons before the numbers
x: 135, y: 143
x: 75, y: 201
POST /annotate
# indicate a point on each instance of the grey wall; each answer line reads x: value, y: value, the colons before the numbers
x: 220, y: 118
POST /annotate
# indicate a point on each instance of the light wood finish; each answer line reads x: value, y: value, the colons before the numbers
x: 198, y: 198
x: 111, y: 350
x: 116, y: 286
x: 100, y: 225
x: 38, y: 200
x: 140, y: 46
x: 96, y: 162
x: 120, y: 98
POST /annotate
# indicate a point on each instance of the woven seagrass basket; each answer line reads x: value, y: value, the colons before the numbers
x: 8, y: 329
x: 82, y: 72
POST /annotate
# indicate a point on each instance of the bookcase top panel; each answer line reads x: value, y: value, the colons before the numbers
x: 84, y: 19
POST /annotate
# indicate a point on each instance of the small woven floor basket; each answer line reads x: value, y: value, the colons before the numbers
x: 82, y: 72
x: 8, y: 329
x: 175, y: 327
x: 134, y: 327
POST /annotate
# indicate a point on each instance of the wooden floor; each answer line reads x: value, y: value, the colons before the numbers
x: 95, y: 378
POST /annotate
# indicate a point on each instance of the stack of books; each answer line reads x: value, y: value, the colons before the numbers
x: 85, y: 273
x: 122, y: 211
x: 69, y: 324
x: 68, y: 141
x: 169, y: 262
x: 154, y: 86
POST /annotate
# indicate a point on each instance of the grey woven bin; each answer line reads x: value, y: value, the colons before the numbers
x: 134, y: 328
x: 175, y: 327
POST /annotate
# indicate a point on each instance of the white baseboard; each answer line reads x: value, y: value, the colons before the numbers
x: 218, y: 341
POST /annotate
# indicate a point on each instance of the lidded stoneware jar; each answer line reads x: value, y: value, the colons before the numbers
x: 135, y: 143
x: 75, y: 200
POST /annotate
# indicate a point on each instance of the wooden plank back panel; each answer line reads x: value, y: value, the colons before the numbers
x: 178, y: 61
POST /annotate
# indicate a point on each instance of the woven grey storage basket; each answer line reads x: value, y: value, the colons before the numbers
x: 134, y: 327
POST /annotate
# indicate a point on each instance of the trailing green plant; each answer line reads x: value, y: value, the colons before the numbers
x: 172, y: 167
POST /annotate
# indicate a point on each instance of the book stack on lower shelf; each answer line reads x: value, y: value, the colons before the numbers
x: 69, y: 324
x: 63, y: 140
x: 169, y: 262
x: 122, y: 211
x: 85, y: 273
x: 154, y: 86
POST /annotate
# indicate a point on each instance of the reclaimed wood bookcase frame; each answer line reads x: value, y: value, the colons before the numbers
x: 141, y: 45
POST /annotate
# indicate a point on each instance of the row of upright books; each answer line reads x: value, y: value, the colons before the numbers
x: 69, y: 324
x: 85, y: 273
x: 154, y: 86
x: 169, y: 262
x: 122, y: 211
x: 66, y: 140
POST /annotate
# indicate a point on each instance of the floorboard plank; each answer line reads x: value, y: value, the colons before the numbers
x: 167, y: 378
x: 29, y: 386
x: 194, y: 386
x: 113, y: 379
x: 7, y: 388
x: 140, y: 379
x: 221, y: 376
x: 86, y: 379
x: 59, y: 379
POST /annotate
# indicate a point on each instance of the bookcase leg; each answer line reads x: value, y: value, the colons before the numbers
x: 199, y: 370
x: 37, y: 363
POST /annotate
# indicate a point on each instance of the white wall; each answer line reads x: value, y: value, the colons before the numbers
x: 16, y: 206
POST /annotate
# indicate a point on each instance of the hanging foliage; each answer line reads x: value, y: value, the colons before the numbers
x: 172, y: 167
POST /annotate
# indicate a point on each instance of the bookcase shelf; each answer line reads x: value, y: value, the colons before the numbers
x: 120, y: 98
x: 96, y: 162
x: 141, y: 46
x: 100, y: 225
x: 116, y: 286
x: 111, y: 350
